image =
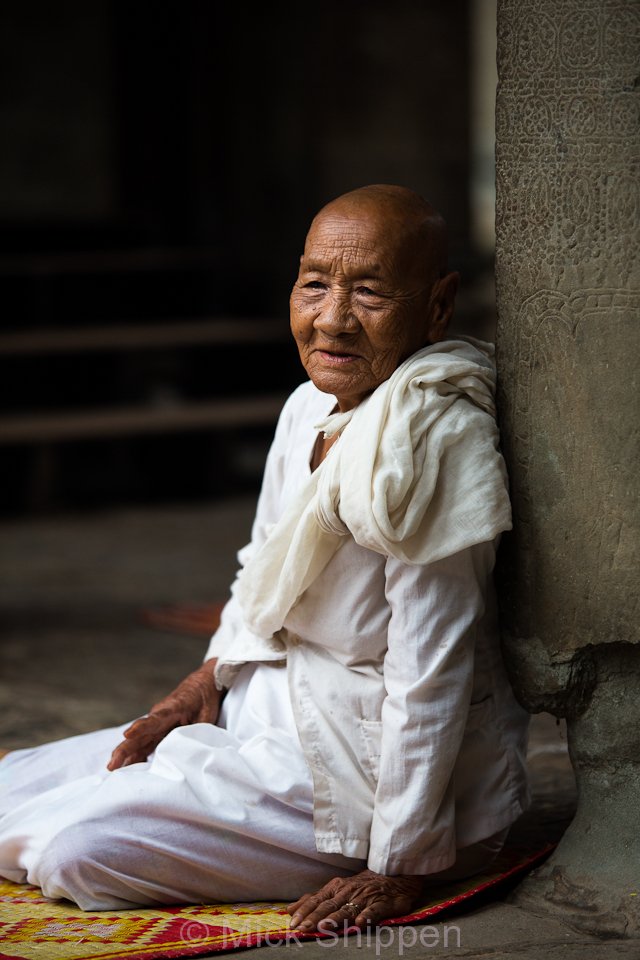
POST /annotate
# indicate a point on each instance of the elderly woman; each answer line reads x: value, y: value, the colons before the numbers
x: 351, y: 735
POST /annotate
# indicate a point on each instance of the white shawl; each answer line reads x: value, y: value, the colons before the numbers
x: 416, y: 473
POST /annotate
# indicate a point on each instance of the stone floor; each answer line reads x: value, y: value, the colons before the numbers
x: 75, y: 655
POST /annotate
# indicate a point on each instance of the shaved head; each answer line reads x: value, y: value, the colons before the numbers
x: 405, y: 213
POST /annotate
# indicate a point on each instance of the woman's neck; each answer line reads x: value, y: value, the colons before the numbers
x: 320, y: 449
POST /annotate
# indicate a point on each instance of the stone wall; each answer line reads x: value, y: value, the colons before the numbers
x: 568, y: 342
x: 568, y: 289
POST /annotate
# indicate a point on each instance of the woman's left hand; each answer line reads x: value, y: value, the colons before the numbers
x: 359, y: 901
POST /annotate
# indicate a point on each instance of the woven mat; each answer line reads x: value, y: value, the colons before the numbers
x: 35, y: 928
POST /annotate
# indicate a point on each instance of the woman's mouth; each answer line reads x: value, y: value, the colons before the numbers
x: 337, y: 359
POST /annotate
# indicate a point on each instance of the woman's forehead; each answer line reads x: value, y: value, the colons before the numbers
x: 366, y: 238
x: 355, y: 237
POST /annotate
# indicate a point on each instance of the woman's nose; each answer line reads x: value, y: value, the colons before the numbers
x: 337, y: 317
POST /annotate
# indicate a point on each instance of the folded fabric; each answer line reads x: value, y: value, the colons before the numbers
x: 416, y: 474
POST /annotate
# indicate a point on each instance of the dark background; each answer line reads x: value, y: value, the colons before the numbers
x: 159, y: 166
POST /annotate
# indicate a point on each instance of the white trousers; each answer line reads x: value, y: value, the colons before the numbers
x: 217, y: 813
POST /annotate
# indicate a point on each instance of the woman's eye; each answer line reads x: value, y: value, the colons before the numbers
x: 368, y: 291
x: 314, y: 285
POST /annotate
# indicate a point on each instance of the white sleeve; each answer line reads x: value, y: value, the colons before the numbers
x: 428, y: 674
x: 233, y: 644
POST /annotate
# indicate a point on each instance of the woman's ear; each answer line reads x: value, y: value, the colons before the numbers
x: 443, y: 298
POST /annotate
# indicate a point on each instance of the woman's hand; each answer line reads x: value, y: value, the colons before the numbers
x: 364, y: 899
x: 195, y: 700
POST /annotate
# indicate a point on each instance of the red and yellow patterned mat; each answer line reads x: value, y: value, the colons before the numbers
x: 35, y: 928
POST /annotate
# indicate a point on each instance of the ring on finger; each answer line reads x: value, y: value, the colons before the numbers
x: 353, y: 909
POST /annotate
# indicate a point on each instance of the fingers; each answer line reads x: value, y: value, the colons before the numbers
x: 335, y: 905
x: 195, y: 700
x: 124, y: 756
x: 354, y: 903
x: 141, y: 739
x: 336, y: 913
x: 151, y: 727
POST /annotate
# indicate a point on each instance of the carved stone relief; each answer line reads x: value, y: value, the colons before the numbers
x: 568, y: 342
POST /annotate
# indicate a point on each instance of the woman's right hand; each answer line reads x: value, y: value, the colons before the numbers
x: 195, y: 700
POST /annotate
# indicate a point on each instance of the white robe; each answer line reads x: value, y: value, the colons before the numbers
x: 227, y: 812
x: 416, y: 744
x: 218, y: 813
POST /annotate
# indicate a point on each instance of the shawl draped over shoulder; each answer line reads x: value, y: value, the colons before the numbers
x: 416, y: 473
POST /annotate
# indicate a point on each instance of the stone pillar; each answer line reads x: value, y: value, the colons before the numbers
x: 568, y: 348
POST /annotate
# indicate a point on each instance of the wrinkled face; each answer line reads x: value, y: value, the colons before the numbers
x: 361, y: 303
